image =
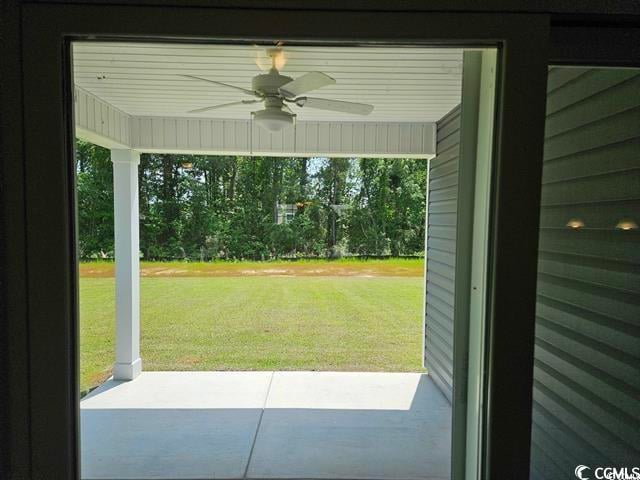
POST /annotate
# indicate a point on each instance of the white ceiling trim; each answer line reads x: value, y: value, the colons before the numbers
x: 240, y: 137
x: 101, y: 123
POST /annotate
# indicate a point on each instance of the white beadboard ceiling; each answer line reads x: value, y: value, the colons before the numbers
x: 404, y: 84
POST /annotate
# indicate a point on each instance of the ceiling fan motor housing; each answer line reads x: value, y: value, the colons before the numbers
x: 272, y: 118
x: 269, y: 83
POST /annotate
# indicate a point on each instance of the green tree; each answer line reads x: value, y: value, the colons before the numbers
x: 205, y: 207
x: 94, y: 179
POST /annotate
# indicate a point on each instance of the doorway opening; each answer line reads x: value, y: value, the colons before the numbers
x: 273, y: 343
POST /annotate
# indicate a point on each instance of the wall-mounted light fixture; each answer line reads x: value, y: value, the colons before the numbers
x: 626, y: 224
x: 575, y: 224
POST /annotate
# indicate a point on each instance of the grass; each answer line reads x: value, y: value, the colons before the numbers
x: 357, y: 322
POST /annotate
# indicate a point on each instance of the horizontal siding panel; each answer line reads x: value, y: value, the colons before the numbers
x: 442, y: 245
x: 546, y: 468
x: 441, y: 356
x: 587, y: 351
x: 439, y: 382
x: 450, y: 116
x: 614, y: 245
x: 617, y: 393
x: 594, y: 270
x: 613, y: 333
x: 449, y: 193
x: 551, y: 420
x: 597, y: 437
x: 550, y: 447
x: 445, y: 156
x: 559, y: 77
x: 597, y: 409
x: 440, y: 231
x: 442, y: 338
x: 614, y: 303
x: 594, y: 135
x: 440, y: 293
x: 443, y: 206
x: 440, y: 319
x: 612, y: 157
x: 622, y: 185
x: 442, y: 307
x: 438, y: 361
x: 591, y: 83
x: 600, y: 216
x: 441, y: 248
x: 615, y: 363
x: 444, y: 167
x: 448, y: 145
x: 441, y: 269
x: 443, y: 258
x: 448, y: 129
x: 442, y: 219
x: 435, y: 329
x: 446, y: 181
x: 602, y: 105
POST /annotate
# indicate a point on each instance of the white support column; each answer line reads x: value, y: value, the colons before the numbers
x: 125, y: 198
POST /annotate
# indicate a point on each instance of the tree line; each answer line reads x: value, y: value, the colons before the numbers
x: 234, y: 207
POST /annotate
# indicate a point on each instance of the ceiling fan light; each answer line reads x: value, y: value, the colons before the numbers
x: 272, y: 119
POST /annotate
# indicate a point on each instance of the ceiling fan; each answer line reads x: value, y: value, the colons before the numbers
x: 276, y: 91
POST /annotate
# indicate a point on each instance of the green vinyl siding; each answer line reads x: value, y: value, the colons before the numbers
x: 586, y: 406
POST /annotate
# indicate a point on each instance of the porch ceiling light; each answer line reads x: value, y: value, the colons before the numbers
x: 272, y: 119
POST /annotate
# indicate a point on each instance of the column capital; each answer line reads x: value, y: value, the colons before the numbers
x: 125, y: 155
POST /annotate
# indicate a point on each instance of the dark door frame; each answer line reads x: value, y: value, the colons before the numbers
x: 39, y: 292
x: 596, y: 46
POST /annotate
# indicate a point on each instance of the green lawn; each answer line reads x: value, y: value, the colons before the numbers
x: 260, y: 323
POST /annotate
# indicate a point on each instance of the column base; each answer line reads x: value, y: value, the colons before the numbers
x: 127, y: 371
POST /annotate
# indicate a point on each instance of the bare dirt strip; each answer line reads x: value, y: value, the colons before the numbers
x: 266, y: 269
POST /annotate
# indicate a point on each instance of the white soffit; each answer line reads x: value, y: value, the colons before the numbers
x: 405, y: 84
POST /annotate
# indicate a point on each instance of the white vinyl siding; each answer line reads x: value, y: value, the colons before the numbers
x: 441, y: 250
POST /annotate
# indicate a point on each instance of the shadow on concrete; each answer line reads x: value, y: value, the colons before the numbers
x: 207, y: 443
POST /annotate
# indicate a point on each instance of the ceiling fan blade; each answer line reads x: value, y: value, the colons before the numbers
x: 335, y: 105
x: 242, y: 102
x: 243, y: 90
x: 305, y: 83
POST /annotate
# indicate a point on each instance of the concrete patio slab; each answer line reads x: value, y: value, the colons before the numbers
x: 183, y: 390
x: 172, y: 425
x: 166, y: 444
x: 213, y: 425
x: 353, y: 426
x: 345, y: 390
